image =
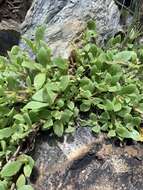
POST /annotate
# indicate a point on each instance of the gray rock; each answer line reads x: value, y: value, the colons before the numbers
x: 65, y: 19
x: 85, y: 162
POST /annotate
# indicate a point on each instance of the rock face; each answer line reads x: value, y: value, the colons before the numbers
x: 66, y: 19
x: 86, y: 162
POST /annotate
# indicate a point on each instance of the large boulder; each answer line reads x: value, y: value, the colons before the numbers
x: 66, y: 19
x: 86, y: 162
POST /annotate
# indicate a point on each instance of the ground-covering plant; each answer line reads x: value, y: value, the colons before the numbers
x: 102, y: 89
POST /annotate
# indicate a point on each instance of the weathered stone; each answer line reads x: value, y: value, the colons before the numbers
x: 65, y: 19
x: 86, y: 162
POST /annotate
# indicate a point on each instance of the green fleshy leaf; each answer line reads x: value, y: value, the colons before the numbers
x: 11, y: 168
x: 20, y: 181
x: 5, y: 133
x: 39, y: 80
x: 26, y: 187
x: 35, y: 105
x: 58, y: 128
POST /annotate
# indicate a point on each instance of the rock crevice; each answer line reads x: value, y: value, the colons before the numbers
x: 12, y: 13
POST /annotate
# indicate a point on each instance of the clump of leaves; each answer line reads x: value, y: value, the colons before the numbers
x: 110, y: 88
x: 40, y: 94
x: 34, y: 95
